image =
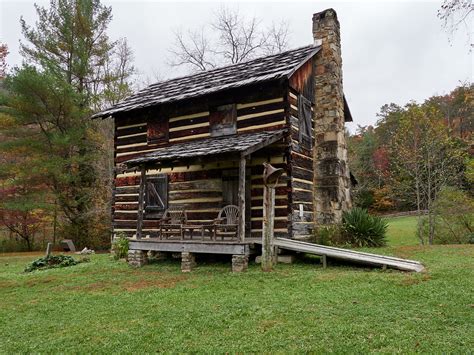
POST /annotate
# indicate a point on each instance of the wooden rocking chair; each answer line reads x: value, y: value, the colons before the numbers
x: 172, y: 221
x: 227, y: 222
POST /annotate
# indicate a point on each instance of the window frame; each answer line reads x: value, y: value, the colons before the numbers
x: 160, y: 126
x: 151, y: 183
x: 223, y: 120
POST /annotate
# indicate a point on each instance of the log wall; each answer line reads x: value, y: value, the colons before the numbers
x: 199, y: 187
x: 300, y: 162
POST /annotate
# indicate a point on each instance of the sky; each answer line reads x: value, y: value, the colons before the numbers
x: 393, y: 51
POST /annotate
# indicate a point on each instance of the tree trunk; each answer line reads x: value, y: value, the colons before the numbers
x: 418, y: 209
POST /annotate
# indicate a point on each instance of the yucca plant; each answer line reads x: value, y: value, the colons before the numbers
x: 362, y: 229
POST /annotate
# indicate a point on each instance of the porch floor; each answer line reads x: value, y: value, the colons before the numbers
x: 175, y: 244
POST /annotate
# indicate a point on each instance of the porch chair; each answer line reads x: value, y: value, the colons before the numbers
x: 172, y: 221
x: 227, y: 222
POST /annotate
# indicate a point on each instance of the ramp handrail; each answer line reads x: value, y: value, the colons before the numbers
x: 352, y: 255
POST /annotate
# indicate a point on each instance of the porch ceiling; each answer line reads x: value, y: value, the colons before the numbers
x: 239, y: 144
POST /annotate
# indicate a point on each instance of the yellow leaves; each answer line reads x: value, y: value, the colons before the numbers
x: 6, y: 121
x: 470, y: 170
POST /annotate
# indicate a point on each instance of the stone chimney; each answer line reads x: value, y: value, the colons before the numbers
x: 331, y: 177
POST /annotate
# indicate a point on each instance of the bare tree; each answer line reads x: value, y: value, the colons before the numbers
x: 457, y: 14
x: 239, y: 39
x: 192, y: 49
x: 144, y: 80
x: 277, y: 37
x: 118, y: 75
x: 230, y: 38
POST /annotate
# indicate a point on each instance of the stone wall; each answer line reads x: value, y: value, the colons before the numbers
x: 332, y: 180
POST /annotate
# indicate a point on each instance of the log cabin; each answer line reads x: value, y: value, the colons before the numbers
x: 197, y: 144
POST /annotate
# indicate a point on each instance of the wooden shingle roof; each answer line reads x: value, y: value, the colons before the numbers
x: 233, y: 76
x: 237, y: 144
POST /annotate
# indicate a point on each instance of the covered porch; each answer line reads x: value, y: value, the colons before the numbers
x: 194, y: 235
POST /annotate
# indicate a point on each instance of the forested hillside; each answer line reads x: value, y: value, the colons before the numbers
x: 420, y: 157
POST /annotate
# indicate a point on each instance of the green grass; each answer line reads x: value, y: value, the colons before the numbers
x: 105, y: 306
x: 401, y: 231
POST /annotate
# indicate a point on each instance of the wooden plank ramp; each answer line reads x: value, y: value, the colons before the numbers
x: 350, y: 255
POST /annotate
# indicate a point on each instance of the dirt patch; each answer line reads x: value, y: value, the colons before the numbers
x: 41, y: 281
x: 131, y: 285
x: 137, y: 285
x: 268, y: 324
x: 327, y: 276
x: 23, y: 253
x: 410, y: 280
x: 7, y: 284
x: 94, y: 287
x: 407, y: 251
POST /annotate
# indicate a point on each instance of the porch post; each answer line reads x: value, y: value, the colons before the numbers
x: 241, y: 227
x: 270, y: 180
x: 268, y: 250
x: 141, y: 201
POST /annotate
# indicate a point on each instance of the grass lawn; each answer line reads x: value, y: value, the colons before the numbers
x: 105, y: 306
x: 401, y: 231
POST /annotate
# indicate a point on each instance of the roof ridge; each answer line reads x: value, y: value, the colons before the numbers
x: 257, y: 70
x: 230, y: 65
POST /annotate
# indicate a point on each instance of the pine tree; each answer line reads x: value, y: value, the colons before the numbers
x: 51, y: 99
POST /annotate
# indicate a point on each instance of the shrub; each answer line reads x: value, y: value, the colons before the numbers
x: 364, y: 198
x: 120, y: 246
x: 329, y: 235
x: 53, y: 261
x: 382, y: 200
x: 454, y: 218
x: 361, y: 229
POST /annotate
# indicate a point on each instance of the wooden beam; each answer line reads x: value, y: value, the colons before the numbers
x: 243, y: 161
x: 268, y: 250
x: 141, y: 202
x: 266, y: 142
x: 235, y: 248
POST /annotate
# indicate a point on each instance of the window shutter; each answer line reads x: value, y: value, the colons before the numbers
x: 223, y: 120
x: 157, y: 131
x: 156, y: 196
x: 305, y: 121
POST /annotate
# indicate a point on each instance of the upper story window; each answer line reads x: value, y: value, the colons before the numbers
x: 223, y: 120
x: 306, y: 121
x: 157, y: 131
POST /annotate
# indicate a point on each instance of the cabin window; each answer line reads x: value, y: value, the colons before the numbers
x: 157, y: 131
x: 156, y: 193
x: 223, y: 120
x: 305, y: 120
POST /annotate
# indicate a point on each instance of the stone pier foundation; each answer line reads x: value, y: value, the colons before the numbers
x: 137, y: 258
x: 240, y: 263
x: 188, y: 262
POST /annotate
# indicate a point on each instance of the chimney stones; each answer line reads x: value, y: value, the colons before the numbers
x: 332, y: 179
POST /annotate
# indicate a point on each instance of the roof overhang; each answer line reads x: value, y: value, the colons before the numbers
x: 260, y: 70
x: 225, y: 147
